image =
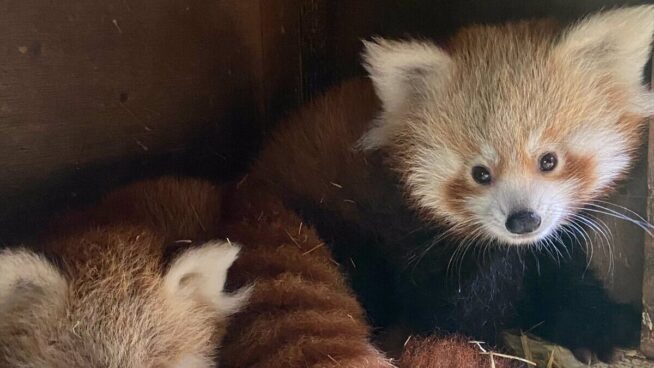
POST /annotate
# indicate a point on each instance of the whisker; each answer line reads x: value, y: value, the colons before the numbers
x: 646, y: 226
x: 638, y: 216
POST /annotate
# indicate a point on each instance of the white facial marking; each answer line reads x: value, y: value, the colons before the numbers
x: 607, y: 147
x: 489, y: 156
x: 549, y: 200
x: 433, y: 167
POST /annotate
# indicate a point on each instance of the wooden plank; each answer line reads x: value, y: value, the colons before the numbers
x: 346, y: 24
x: 647, y: 331
x: 282, y: 58
x: 619, y: 261
x: 89, y: 81
x: 84, y: 83
x: 315, y: 15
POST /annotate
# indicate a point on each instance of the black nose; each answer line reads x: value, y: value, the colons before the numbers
x: 522, y: 222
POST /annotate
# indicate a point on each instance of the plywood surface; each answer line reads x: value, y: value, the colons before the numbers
x: 647, y: 333
x: 93, y: 94
x: 83, y: 81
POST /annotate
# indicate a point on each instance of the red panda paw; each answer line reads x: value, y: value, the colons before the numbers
x: 583, y: 355
x: 586, y: 356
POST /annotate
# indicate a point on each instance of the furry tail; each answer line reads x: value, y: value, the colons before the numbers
x: 301, y: 312
x: 449, y: 352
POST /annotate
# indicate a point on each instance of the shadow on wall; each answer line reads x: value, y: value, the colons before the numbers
x: 94, y: 94
x: 350, y: 21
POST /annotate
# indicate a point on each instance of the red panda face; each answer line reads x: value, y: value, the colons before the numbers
x: 509, y: 134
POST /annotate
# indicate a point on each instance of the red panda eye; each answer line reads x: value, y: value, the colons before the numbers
x: 548, y: 162
x: 481, y: 175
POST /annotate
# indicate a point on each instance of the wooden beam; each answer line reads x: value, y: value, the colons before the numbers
x: 647, y: 331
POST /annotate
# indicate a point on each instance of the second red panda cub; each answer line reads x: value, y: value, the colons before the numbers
x: 106, y: 296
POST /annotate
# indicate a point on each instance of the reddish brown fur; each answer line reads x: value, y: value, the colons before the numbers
x: 112, y: 258
x: 580, y: 169
x: 452, y: 352
x: 458, y: 190
x: 301, y: 313
x: 293, y: 163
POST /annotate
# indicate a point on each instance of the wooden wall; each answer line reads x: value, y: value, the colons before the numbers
x: 93, y: 94
x: 87, y: 81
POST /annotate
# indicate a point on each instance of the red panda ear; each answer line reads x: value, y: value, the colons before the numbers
x: 200, y: 274
x: 27, y: 274
x: 399, y: 69
x: 616, y: 41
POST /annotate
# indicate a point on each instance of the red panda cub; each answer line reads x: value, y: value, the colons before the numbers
x: 106, y: 297
x: 457, y: 184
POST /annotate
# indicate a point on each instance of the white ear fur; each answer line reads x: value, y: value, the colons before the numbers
x: 201, y: 274
x: 618, y: 41
x: 24, y: 267
x: 399, y: 69
x: 395, y: 66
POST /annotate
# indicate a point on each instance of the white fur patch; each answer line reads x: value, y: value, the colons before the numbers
x: 607, y: 147
x: 201, y: 274
x: 25, y: 267
x: 643, y: 104
x: 193, y: 361
x: 489, y: 155
x: 431, y: 169
x: 397, y: 69
x: 550, y: 200
x: 618, y: 41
